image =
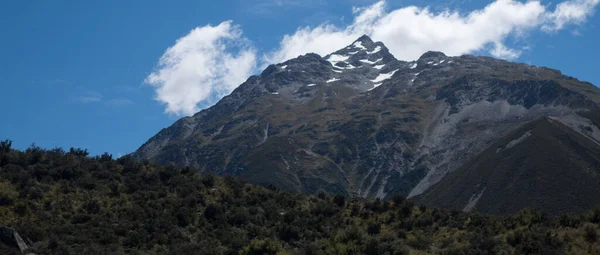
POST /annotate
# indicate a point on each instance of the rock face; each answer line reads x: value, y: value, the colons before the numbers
x: 361, y: 123
x: 12, y: 238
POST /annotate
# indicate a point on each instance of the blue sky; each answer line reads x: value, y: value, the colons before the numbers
x: 75, y: 73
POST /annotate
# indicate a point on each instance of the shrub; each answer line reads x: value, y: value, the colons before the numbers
x: 211, y: 211
x: 7, y: 194
x: 339, y: 200
x: 261, y: 246
x: 590, y: 233
x: 373, y: 228
x: 208, y: 180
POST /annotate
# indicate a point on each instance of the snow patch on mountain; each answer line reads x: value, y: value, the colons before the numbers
x: 414, y: 78
x: 375, y: 86
x: 377, y: 49
x: 359, y: 45
x: 335, y: 58
x: 366, y: 61
x: 384, y: 76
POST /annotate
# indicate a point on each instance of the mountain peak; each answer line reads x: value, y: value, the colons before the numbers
x: 364, y: 46
x: 364, y: 39
x: 432, y: 54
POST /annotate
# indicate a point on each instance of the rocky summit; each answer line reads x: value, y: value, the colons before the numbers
x: 359, y: 122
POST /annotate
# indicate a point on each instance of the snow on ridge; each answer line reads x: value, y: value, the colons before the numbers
x: 337, y: 58
x: 430, y: 62
x: 379, y: 66
x: 337, y: 71
x: 275, y: 93
x: 359, y: 45
x: 384, y: 76
x: 370, y: 62
x: 352, y: 53
x: 332, y: 80
x: 284, y: 67
x: 310, y: 85
x: 413, y: 66
x: 377, y: 49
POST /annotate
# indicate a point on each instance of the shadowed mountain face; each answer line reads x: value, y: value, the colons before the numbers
x: 545, y: 164
x: 361, y: 123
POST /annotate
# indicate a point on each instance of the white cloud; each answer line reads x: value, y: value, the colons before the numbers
x: 410, y: 31
x: 211, y: 61
x: 207, y: 63
x: 570, y: 12
x: 501, y: 51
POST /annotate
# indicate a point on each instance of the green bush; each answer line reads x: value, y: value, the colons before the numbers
x: 7, y: 194
x: 69, y: 203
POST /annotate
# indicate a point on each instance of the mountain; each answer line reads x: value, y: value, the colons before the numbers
x: 359, y: 122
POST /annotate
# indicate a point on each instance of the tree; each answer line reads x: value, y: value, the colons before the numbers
x: 79, y: 152
x: 5, y: 145
x: 106, y: 157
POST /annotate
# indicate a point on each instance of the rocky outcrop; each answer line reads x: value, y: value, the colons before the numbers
x: 12, y: 238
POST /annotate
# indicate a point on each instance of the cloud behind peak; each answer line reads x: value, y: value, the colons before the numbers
x: 211, y: 61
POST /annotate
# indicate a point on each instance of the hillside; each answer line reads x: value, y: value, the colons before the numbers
x: 360, y: 123
x: 67, y: 203
x: 544, y: 165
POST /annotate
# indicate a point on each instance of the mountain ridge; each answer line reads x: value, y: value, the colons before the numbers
x: 360, y: 123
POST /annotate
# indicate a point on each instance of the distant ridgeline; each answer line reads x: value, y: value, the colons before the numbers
x: 68, y: 203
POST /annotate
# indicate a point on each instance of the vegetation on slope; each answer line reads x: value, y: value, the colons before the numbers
x: 69, y: 203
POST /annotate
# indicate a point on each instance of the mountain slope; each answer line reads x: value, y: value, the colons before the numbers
x: 361, y: 123
x: 544, y: 164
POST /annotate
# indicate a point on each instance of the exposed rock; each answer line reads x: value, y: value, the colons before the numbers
x: 12, y: 238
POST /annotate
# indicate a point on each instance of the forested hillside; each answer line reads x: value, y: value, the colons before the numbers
x: 65, y: 202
